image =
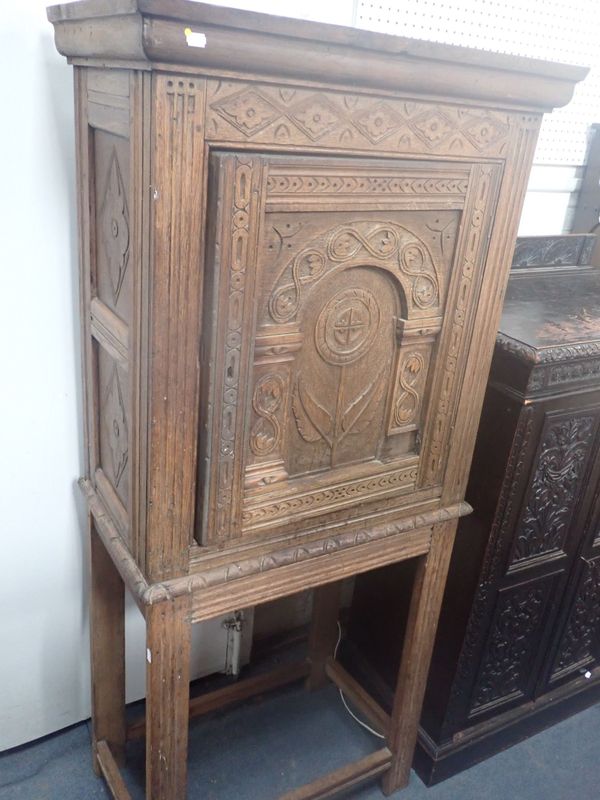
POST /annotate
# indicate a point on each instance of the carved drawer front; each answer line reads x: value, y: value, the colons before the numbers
x: 337, y: 311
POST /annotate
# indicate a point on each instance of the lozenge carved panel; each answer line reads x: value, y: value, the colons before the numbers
x: 113, y: 273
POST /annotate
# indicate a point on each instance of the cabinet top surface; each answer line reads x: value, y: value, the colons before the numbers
x: 553, y: 311
x: 158, y: 32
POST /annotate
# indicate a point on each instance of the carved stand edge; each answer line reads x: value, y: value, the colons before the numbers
x: 148, y: 594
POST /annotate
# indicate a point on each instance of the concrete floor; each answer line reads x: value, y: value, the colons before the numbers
x: 261, y: 749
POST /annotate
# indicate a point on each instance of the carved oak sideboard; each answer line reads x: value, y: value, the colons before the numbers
x: 294, y: 244
x: 518, y: 645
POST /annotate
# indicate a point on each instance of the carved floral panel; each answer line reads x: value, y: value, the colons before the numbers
x: 505, y: 670
x: 560, y: 466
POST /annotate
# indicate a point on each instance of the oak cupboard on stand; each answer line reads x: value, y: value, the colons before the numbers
x: 294, y: 245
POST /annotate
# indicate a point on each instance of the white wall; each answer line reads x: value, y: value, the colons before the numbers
x: 43, y: 638
x: 44, y: 668
x: 44, y: 664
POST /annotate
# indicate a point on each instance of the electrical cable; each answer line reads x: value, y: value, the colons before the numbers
x: 346, y: 706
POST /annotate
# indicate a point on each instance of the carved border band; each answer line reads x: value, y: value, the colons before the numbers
x: 319, y: 501
x: 267, y: 114
x: 470, y: 257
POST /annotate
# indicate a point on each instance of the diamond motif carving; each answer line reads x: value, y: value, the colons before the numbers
x: 432, y: 128
x: 378, y: 122
x: 485, y: 132
x: 248, y: 111
x: 115, y: 420
x: 315, y: 116
x: 114, y: 226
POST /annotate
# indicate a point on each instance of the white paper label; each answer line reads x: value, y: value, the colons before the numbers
x: 194, y: 38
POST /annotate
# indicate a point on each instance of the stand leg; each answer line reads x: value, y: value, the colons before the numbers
x: 168, y: 631
x: 107, y: 632
x: 426, y: 601
x: 323, y: 632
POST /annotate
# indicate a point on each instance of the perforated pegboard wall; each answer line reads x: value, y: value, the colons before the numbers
x: 557, y: 30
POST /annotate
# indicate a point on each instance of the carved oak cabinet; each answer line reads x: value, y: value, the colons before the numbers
x: 294, y: 245
x: 518, y: 645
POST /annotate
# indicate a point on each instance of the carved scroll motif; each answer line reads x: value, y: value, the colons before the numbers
x: 396, y: 247
x: 408, y: 401
x: 268, y: 398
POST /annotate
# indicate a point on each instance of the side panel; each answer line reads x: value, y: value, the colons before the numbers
x: 109, y: 165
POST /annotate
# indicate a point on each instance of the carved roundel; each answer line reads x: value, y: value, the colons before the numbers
x: 347, y: 326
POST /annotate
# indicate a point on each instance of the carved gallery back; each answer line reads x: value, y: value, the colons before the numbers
x: 335, y: 291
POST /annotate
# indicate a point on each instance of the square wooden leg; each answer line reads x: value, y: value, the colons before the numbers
x: 107, y: 632
x: 426, y: 601
x: 168, y: 634
x: 323, y: 632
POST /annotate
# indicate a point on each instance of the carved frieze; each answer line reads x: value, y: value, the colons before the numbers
x: 340, y: 184
x: 268, y: 114
x: 303, y: 504
x: 553, y: 251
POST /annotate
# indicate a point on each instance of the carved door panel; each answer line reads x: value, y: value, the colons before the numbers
x: 516, y: 617
x: 336, y: 320
x: 576, y: 646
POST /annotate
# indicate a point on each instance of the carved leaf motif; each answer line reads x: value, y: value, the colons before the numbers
x: 360, y: 412
x: 314, y: 422
x: 555, y: 487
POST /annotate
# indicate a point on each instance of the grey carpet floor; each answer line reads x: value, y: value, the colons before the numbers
x: 261, y: 749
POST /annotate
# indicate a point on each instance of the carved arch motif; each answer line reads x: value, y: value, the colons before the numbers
x: 386, y: 244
